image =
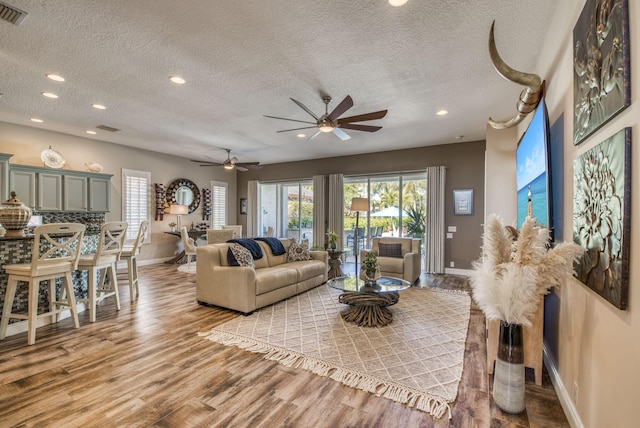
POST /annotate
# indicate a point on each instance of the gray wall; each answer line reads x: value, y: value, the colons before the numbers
x: 465, y: 170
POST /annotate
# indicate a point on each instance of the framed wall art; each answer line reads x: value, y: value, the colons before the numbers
x: 243, y: 205
x: 602, y: 217
x: 463, y: 202
x: 601, y: 70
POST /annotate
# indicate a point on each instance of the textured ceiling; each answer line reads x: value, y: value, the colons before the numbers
x: 244, y: 59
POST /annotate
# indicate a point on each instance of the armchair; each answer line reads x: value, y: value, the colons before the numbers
x: 397, y: 257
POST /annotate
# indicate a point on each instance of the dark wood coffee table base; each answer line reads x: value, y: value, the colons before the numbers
x: 368, y: 309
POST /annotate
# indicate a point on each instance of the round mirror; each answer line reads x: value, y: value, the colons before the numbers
x: 184, y: 192
x: 184, y: 196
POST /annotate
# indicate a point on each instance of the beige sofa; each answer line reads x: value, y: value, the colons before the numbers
x: 246, y: 289
x: 407, y: 266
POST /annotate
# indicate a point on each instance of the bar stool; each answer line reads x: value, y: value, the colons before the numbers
x: 110, y: 243
x: 55, y: 254
x: 129, y: 254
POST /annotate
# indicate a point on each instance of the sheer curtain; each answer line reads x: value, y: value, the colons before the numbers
x: 336, y: 206
x: 252, y: 208
x: 318, y: 211
x: 434, y: 244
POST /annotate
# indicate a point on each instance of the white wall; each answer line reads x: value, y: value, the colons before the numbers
x: 599, y: 345
x: 26, y: 143
x: 500, y: 179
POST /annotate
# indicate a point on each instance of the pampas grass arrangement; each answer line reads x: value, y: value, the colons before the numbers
x: 517, y: 269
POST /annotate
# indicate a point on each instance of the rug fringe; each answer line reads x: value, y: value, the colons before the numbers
x: 401, y: 394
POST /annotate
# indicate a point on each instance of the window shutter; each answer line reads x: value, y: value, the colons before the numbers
x: 135, y: 205
x: 219, y: 204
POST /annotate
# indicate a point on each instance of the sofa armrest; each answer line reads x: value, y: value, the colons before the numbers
x: 411, y: 267
x: 232, y: 287
x: 323, y: 256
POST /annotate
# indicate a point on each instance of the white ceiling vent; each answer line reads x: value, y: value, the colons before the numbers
x: 12, y: 14
x: 107, y: 128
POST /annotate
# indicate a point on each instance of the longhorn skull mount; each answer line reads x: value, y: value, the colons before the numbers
x: 529, y: 97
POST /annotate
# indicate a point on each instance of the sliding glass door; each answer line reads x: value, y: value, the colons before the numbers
x: 397, y: 207
x: 286, y: 210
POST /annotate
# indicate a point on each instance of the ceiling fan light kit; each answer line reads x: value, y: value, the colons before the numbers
x: 331, y: 122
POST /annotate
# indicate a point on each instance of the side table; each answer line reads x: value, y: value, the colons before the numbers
x: 335, y: 263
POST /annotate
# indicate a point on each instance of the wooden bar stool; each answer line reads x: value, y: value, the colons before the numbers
x: 55, y: 254
x: 110, y: 244
x: 129, y: 254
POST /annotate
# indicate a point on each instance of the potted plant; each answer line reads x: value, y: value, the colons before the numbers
x: 332, y: 239
x: 516, y: 270
x: 172, y: 225
x: 370, y: 270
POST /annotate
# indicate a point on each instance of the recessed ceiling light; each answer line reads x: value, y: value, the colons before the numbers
x: 36, y: 120
x: 91, y: 132
x: 301, y: 135
x: 459, y: 137
x: 98, y: 106
x: 49, y: 95
x: 442, y: 112
x: 397, y: 2
x: 177, y: 79
x: 55, y: 77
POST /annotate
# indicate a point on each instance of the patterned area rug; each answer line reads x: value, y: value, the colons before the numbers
x: 416, y: 360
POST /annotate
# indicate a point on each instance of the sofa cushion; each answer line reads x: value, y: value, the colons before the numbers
x: 269, y: 279
x: 308, y: 269
x: 391, y: 264
x: 237, y: 255
x: 298, y: 252
x: 390, y: 250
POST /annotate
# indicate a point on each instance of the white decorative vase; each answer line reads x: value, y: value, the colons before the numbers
x: 508, y: 376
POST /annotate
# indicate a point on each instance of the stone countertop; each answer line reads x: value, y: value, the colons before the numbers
x: 30, y: 236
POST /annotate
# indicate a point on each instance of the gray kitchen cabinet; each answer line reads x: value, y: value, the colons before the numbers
x: 75, y: 193
x: 100, y: 194
x: 23, y: 182
x: 49, y: 191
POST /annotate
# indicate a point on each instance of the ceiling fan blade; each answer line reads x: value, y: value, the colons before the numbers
x: 344, y: 105
x: 284, y: 118
x: 249, y: 165
x: 297, y: 129
x: 358, y: 127
x: 341, y: 134
x: 362, y: 117
x: 206, y: 163
x: 240, y: 168
x: 314, y: 136
x: 303, y: 107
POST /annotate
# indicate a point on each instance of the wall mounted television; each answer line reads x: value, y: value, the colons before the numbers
x: 533, y: 171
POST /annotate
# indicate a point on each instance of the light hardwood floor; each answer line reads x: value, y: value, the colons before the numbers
x: 146, y: 366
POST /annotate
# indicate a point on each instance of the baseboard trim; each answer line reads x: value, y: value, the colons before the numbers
x: 563, y: 394
x: 454, y: 271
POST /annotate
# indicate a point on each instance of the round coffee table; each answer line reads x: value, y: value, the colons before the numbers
x: 368, y: 305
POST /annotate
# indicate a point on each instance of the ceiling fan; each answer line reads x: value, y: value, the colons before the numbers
x: 231, y: 163
x: 331, y: 122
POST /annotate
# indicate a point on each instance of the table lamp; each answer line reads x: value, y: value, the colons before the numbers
x: 357, y: 205
x: 179, y: 211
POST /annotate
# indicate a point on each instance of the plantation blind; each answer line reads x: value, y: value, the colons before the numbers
x: 219, y: 204
x: 136, y: 198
